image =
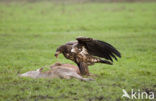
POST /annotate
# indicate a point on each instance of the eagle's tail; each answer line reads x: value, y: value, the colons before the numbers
x: 106, y: 62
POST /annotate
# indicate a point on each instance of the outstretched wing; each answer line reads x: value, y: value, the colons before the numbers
x: 71, y: 43
x: 99, y: 48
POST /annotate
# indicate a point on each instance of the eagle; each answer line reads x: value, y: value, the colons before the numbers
x: 88, y: 51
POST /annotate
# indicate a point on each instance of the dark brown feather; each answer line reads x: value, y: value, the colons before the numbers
x: 99, y: 48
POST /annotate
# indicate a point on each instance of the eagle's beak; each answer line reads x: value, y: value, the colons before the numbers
x: 57, y: 53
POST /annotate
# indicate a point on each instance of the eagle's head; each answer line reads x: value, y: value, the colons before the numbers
x: 59, y: 50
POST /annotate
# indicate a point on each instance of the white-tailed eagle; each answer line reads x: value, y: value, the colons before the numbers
x: 87, y: 51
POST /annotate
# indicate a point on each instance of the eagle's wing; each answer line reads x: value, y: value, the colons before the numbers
x: 99, y: 48
x: 71, y: 43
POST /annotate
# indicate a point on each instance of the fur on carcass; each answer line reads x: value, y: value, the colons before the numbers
x: 58, y: 70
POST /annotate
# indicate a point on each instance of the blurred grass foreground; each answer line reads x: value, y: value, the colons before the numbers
x: 30, y: 32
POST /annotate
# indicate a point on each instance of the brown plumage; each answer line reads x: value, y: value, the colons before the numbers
x: 87, y: 51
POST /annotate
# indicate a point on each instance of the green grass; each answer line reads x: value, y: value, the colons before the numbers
x: 31, y: 32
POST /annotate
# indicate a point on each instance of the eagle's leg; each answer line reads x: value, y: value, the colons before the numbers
x: 83, y: 67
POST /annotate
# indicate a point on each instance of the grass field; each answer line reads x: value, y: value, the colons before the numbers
x: 31, y: 32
